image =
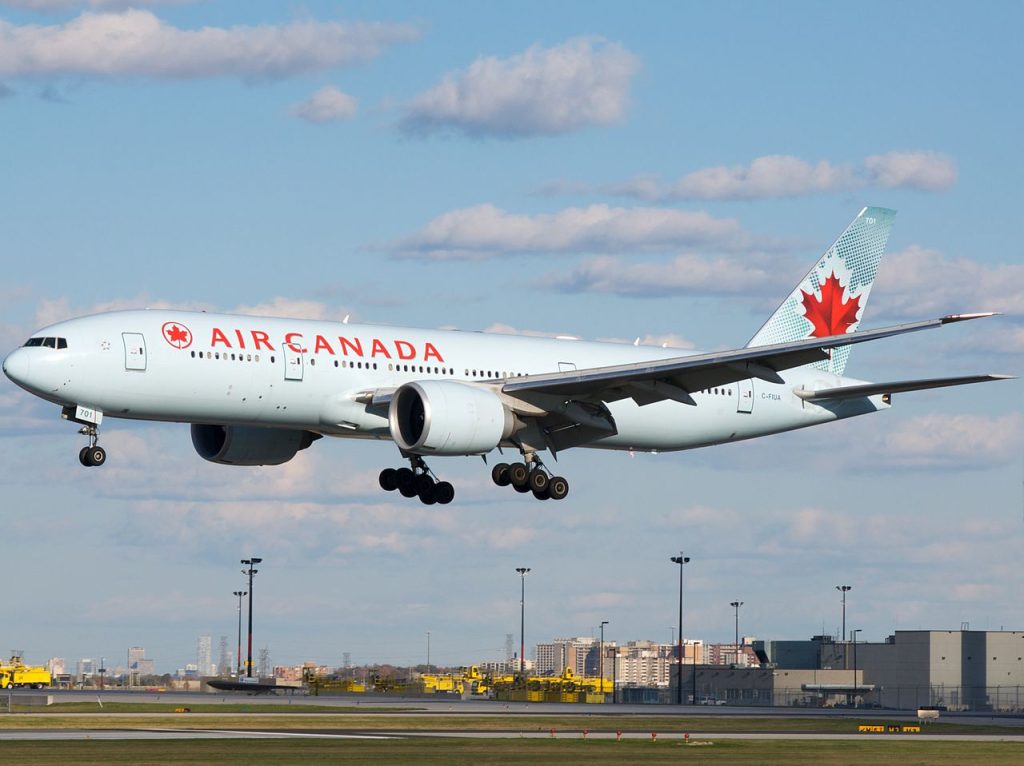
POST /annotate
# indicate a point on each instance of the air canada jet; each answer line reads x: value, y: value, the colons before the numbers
x: 257, y: 390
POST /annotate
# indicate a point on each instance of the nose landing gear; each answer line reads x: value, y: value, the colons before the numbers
x: 417, y: 481
x: 94, y: 455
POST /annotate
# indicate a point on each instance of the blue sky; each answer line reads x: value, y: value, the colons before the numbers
x: 668, y: 171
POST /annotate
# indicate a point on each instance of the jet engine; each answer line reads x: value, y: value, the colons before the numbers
x: 249, y: 445
x: 441, y: 417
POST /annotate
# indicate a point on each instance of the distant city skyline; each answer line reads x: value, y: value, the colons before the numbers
x: 659, y: 172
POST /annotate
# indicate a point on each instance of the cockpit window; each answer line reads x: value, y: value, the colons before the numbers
x: 47, y: 342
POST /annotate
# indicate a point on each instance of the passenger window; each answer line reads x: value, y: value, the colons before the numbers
x: 312, y: 362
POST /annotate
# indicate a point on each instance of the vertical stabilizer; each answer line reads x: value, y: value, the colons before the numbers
x: 831, y: 298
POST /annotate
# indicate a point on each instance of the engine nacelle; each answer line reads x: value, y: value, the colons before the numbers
x: 441, y: 417
x: 249, y: 445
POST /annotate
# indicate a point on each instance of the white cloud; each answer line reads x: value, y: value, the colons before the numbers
x: 951, y: 442
x: 486, y: 231
x: 926, y: 171
x: 684, y: 274
x: 772, y: 176
x: 778, y: 175
x: 138, y: 43
x: 542, y: 91
x: 326, y: 105
x: 919, y: 282
x: 48, y: 6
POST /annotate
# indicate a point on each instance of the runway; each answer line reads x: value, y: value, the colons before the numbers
x: 695, y: 738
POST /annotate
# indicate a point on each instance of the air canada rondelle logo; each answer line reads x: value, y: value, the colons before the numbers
x: 177, y: 334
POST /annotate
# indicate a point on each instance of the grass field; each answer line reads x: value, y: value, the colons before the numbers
x: 392, y: 721
x: 504, y: 751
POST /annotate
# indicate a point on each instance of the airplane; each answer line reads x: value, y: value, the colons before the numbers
x: 258, y: 390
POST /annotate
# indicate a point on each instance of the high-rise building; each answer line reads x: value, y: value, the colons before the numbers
x: 204, y: 656
x: 224, y: 663
x: 86, y: 667
x: 554, y: 658
x: 56, y: 666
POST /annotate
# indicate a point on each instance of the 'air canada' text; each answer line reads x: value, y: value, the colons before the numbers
x: 357, y: 347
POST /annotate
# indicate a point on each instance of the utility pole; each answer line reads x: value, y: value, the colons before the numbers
x: 736, y: 605
x: 238, y: 656
x: 600, y: 657
x: 523, y: 571
x: 250, y: 571
x: 680, y: 560
x: 844, y: 589
x: 853, y: 634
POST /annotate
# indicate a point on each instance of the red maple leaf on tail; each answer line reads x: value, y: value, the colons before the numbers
x: 830, y: 314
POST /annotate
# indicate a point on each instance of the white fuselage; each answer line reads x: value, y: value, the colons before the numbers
x: 306, y: 374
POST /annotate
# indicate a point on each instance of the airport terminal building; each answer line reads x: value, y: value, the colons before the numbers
x: 950, y: 669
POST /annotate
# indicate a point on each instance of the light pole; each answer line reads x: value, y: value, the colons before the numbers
x: 736, y: 605
x: 853, y: 635
x: 600, y: 657
x: 844, y: 589
x: 681, y: 560
x: 250, y: 570
x: 428, y: 652
x: 238, y: 655
x: 523, y: 571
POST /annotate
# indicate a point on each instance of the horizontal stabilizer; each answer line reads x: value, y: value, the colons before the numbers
x: 895, y: 387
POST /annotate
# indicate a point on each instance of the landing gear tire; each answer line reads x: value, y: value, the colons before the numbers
x: 519, y: 475
x: 444, y: 492
x: 406, y: 482
x: 388, y: 479
x: 83, y: 456
x: 542, y: 494
x: 524, y: 488
x: 539, y: 482
x: 499, y: 475
x: 427, y: 493
x: 423, y: 484
x: 96, y: 456
x: 558, y: 488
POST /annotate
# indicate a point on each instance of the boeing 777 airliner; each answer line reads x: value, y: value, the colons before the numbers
x: 258, y: 390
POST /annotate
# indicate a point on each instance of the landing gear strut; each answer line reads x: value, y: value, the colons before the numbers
x: 530, y: 476
x: 94, y: 455
x: 418, y: 480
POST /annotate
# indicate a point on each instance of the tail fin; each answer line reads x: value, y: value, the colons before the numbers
x: 831, y: 298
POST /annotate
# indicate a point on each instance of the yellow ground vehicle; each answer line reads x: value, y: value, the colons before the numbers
x: 16, y: 673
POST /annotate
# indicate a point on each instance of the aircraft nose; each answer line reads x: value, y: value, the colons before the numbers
x: 16, y: 366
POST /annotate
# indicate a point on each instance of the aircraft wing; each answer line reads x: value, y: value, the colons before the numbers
x: 675, y: 378
x: 894, y: 387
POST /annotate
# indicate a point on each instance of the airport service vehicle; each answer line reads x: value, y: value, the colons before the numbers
x: 258, y: 390
x: 16, y: 674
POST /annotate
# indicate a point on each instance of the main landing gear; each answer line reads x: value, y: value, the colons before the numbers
x: 417, y: 481
x: 94, y: 455
x: 530, y: 476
